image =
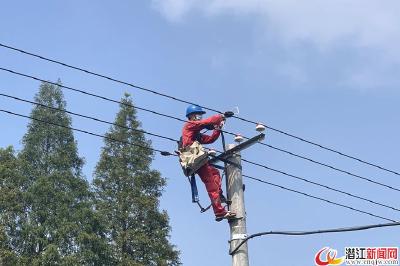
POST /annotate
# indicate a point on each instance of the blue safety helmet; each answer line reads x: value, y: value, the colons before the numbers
x: 194, y: 109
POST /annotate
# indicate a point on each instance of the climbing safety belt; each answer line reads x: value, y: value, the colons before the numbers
x: 195, y: 193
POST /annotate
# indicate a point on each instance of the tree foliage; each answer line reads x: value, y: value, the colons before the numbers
x: 127, y: 196
x: 59, y: 225
x: 49, y: 215
x: 10, y: 205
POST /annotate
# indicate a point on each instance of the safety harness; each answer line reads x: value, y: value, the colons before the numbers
x: 192, y: 158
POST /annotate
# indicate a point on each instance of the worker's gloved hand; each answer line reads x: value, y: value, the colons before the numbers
x: 228, y: 114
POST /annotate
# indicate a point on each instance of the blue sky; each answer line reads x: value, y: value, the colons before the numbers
x: 324, y: 70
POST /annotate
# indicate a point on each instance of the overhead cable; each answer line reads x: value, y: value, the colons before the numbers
x: 313, y: 232
x: 182, y: 120
x: 188, y: 102
x: 165, y: 153
x: 88, y: 117
x: 318, y: 198
x: 311, y: 182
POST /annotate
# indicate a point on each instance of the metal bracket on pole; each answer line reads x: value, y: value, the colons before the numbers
x: 214, y: 160
x: 238, y: 237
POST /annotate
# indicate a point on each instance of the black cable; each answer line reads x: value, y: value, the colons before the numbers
x: 164, y: 153
x: 94, y: 118
x: 331, y: 150
x: 171, y: 139
x: 253, y: 163
x: 325, y: 186
x: 322, y: 164
x: 88, y: 117
x: 106, y: 77
x: 205, y: 107
x: 90, y: 94
x: 99, y: 96
x: 303, y: 179
x: 303, y: 233
x: 318, y: 198
x: 182, y: 120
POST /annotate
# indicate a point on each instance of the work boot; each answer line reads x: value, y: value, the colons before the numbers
x: 227, y: 215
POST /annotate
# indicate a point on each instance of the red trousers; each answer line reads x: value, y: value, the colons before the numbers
x: 211, y: 178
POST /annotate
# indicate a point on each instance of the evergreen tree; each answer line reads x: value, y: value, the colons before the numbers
x: 59, y: 226
x: 127, y: 196
x: 10, y: 205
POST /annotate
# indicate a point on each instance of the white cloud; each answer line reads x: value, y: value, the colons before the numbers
x: 173, y: 10
x: 361, y: 25
x: 323, y: 22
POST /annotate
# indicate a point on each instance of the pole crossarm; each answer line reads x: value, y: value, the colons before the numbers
x: 227, y: 161
x: 223, y: 156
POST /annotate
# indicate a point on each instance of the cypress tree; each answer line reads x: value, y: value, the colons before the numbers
x: 127, y: 196
x: 59, y: 226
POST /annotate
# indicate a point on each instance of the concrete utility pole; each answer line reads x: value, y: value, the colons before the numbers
x: 231, y: 158
x: 236, y: 196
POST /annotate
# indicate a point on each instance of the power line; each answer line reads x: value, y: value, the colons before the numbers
x: 171, y: 139
x: 324, y: 186
x: 105, y: 77
x: 164, y: 153
x: 88, y: 117
x: 320, y: 163
x: 89, y: 94
x: 99, y: 96
x: 318, y: 198
x: 318, y: 184
x: 257, y: 164
x: 94, y: 119
x: 205, y: 107
x: 314, y: 232
x: 182, y: 120
x: 253, y: 163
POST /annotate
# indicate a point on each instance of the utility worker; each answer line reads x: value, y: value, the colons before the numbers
x: 208, y: 174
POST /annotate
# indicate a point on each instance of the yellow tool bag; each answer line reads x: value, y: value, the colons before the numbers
x: 192, y: 158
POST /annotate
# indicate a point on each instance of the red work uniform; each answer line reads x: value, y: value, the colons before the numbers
x: 208, y: 174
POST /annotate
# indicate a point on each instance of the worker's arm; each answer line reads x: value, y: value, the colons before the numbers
x: 206, y: 139
x: 201, y: 124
